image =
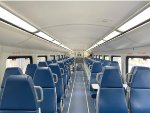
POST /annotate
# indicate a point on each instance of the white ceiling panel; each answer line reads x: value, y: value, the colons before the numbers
x: 77, y: 25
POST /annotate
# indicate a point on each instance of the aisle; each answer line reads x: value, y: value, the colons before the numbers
x: 78, y: 103
x: 79, y: 99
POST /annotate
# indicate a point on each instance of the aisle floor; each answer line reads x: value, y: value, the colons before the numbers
x: 79, y: 100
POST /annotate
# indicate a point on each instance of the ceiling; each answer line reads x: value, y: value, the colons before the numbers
x: 78, y: 25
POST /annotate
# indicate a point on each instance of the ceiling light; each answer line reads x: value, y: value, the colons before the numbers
x: 62, y: 46
x: 94, y: 45
x: 44, y: 36
x: 11, y: 18
x: 141, y: 17
x: 56, y: 42
x: 100, y: 42
x: 111, y: 35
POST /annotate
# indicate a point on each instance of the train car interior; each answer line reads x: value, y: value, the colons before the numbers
x: 73, y: 56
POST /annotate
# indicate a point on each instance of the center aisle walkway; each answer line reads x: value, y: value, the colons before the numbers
x: 79, y: 99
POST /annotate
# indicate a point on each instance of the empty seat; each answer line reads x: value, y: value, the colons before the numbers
x: 96, y: 68
x: 106, y: 63
x: 54, y: 61
x: 49, y: 62
x: 64, y: 74
x: 114, y: 63
x: 44, y: 78
x: 42, y: 64
x: 19, y: 96
x: 111, y: 95
x: 30, y: 70
x: 140, y: 91
x: 59, y: 85
x: 10, y: 71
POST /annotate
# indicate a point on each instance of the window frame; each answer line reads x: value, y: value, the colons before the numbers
x: 127, y: 60
x: 43, y: 56
x: 114, y: 56
x: 106, y: 56
x: 15, y: 57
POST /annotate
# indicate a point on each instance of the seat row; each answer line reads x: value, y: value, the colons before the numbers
x: 111, y: 96
x: 50, y: 80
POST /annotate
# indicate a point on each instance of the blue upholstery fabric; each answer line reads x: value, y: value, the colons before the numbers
x: 140, y: 91
x: 44, y: 78
x: 42, y: 64
x: 111, y: 96
x: 65, y: 80
x: 141, y: 78
x: 111, y: 78
x: 59, y: 85
x: 114, y: 63
x: 18, y: 95
x: 106, y: 63
x: 49, y: 62
x: 112, y: 100
x: 30, y: 70
x: 11, y: 71
x: 97, y: 67
x: 54, y: 61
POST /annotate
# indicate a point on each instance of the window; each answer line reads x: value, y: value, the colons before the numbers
x: 52, y: 57
x: 57, y: 57
x: 118, y: 59
x: 106, y: 57
x: 19, y: 61
x: 41, y: 59
x: 137, y: 61
x: 100, y: 57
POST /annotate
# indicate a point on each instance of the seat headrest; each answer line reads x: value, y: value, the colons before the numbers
x: 19, y: 94
x: 111, y: 78
x: 49, y: 62
x: 141, y: 78
x: 106, y: 63
x: 43, y: 77
x: 30, y: 70
x: 114, y: 63
x: 11, y: 71
x: 42, y: 64
x: 97, y: 67
x: 54, y: 61
x: 55, y: 69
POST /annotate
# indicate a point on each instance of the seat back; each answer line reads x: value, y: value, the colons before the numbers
x: 140, y: 91
x: 10, y: 71
x: 106, y: 63
x: 59, y: 85
x: 111, y: 96
x: 114, y: 63
x: 49, y: 62
x: 19, y: 95
x: 96, y: 67
x: 30, y: 70
x: 44, y: 78
x: 42, y: 64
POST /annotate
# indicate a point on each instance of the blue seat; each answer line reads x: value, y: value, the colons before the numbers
x: 44, y: 78
x: 111, y: 96
x: 65, y: 80
x: 140, y: 91
x: 106, y: 63
x: 10, y: 71
x: 96, y: 68
x: 114, y: 63
x: 54, y: 61
x: 19, y: 96
x: 49, y: 62
x: 30, y: 70
x: 59, y: 85
x: 42, y: 64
